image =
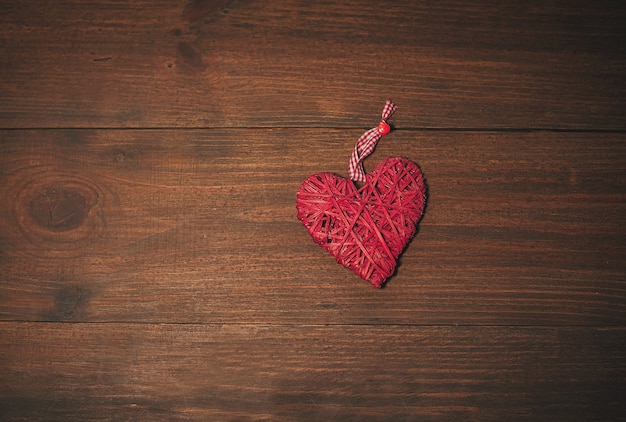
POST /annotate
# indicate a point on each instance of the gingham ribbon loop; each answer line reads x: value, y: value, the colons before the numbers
x: 367, y: 142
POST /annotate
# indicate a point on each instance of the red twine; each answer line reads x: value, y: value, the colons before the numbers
x: 367, y: 142
x: 365, y: 229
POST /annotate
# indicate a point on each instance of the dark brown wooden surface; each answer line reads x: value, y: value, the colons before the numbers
x: 279, y: 372
x: 208, y: 63
x: 151, y: 263
x: 199, y: 226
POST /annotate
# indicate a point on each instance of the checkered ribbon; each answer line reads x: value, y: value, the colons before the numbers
x: 367, y: 142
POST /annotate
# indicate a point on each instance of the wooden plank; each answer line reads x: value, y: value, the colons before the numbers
x: 282, y: 373
x: 252, y: 63
x: 200, y: 226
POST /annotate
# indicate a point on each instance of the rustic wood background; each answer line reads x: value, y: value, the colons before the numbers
x: 152, y: 266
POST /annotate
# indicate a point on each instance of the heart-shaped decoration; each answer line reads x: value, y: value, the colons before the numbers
x: 365, y: 228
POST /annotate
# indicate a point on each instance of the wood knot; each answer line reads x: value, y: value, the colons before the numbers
x: 58, y: 214
x: 70, y: 302
x: 191, y: 56
x: 58, y: 209
x: 197, y: 10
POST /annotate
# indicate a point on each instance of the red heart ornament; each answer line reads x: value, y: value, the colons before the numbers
x: 365, y: 228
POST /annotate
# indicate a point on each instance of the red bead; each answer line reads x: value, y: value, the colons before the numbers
x: 383, y: 129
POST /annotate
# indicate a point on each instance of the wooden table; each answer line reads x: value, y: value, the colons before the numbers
x: 152, y: 266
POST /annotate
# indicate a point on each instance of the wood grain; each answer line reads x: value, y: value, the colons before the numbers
x: 200, y: 226
x: 283, y: 373
x: 253, y: 63
x: 151, y: 263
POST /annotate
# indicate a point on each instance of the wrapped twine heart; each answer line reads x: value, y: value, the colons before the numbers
x: 365, y: 228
